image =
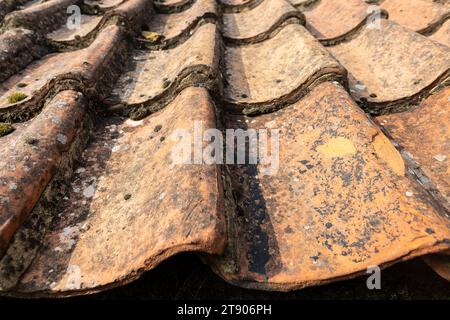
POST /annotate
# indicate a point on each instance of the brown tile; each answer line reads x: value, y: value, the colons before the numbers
x: 177, y: 27
x: 88, y: 23
x: 103, y: 5
x: 83, y: 70
x: 331, y: 20
x: 266, y: 75
x: 131, y: 206
x: 421, y: 15
x: 30, y: 157
x: 424, y: 133
x: 129, y: 15
x: 392, y: 66
x: 45, y: 16
x: 230, y: 6
x: 339, y: 203
x: 154, y: 78
x: 18, y: 47
x: 259, y: 23
x: 302, y: 4
x: 442, y: 35
x: 172, y: 6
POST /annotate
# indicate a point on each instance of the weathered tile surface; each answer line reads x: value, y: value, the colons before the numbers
x: 442, y: 35
x: 82, y: 70
x: 90, y: 195
x: 418, y: 15
x: 424, y: 133
x: 154, y: 78
x: 340, y: 202
x: 331, y: 20
x: 128, y: 182
x: 170, y: 28
x: 30, y: 157
x: 263, y: 76
x: 392, y: 65
x: 259, y: 23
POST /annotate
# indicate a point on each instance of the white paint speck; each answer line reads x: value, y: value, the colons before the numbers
x: 409, y: 193
x: 61, y: 138
x: 133, y: 123
x: 56, y: 120
x: 439, y: 157
x: 89, y: 192
x: 115, y: 149
x: 162, y: 196
x: 80, y: 170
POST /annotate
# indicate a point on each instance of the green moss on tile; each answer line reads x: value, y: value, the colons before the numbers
x: 16, y: 97
x: 5, y: 129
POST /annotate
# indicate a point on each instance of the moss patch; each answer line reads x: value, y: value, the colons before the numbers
x: 16, y: 97
x: 5, y: 128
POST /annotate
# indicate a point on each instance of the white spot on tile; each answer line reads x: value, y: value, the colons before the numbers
x: 133, y: 123
x: 80, y: 170
x: 439, y: 157
x: 73, y: 277
x: 56, y: 120
x: 61, y: 138
x: 89, y: 192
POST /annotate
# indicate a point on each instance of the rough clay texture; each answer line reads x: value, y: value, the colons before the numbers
x: 275, y: 68
x: 339, y: 202
x: 97, y: 239
x: 91, y: 196
x: 424, y: 133
x: 391, y: 64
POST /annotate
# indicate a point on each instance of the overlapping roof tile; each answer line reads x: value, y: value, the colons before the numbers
x: 260, y: 23
x: 329, y: 27
x: 420, y: 15
x: 250, y: 70
x: 354, y: 102
x: 390, y: 66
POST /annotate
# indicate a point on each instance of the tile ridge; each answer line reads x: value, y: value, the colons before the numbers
x: 175, y: 7
x: 230, y: 8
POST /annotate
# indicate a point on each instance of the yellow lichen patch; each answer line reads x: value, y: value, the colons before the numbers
x: 389, y: 154
x: 337, y: 147
x: 5, y: 128
x: 152, y: 36
x: 16, y: 97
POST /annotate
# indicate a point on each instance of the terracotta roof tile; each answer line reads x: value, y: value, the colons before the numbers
x: 424, y: 133
x: 252, y: 69
x: 120, y: 192
x: 92, y: 113
x: 155, y: 77
x: 229, y: 6
x: 177, y: 27
x: 40, y: 16
x: 35, y: 150
x: 327, y: 26
x: 172, y: 6
x: 260, y: 23
x: 82, y: 70
x: 18, y: 48
x: 419, y: 15
x: 442, y: 35
x: 319, y: 218
x: 391, y: 66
